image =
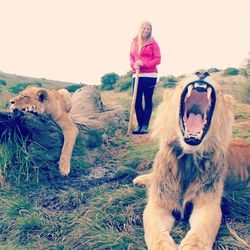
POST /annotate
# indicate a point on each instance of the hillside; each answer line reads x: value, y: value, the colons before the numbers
x: 13, y: 80
x: 97, y: 207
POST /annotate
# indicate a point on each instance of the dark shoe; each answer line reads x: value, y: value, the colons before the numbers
x: 144, y: 129
x: 137, y: 130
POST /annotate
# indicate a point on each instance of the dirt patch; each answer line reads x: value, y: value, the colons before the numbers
x: 141, y: 139
x: 243, y: 123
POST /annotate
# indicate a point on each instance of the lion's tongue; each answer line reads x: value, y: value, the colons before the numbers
x: 194, y: 123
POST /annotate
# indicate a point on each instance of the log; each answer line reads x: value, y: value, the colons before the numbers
x: 44, y: 139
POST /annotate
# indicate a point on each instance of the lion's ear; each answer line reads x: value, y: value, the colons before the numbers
x: 42, y: 95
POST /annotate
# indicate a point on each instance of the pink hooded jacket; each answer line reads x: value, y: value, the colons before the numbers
x: 150, y: 56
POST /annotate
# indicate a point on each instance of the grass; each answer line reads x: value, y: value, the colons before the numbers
x: 15, y: 161
x: 39, y: 209
x: 110, y: 221
x: 66, y: 216
x: 107, y: 215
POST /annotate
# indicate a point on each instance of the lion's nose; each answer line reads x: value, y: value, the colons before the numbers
x: 202, y: 74
x: 12, y: 102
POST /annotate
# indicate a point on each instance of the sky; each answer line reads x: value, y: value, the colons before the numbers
x: 81, y: 40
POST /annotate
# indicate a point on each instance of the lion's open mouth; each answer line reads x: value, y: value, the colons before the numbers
x: 197, y: 107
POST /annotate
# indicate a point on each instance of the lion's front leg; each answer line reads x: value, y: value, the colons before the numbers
x: 70, y: 133
x: 204, y: 222
x: 145, y: 179
x: 157, y: 226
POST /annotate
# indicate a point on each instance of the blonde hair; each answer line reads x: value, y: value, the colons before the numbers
x: 139, y: 34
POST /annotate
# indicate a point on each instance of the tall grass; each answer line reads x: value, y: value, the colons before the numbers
x: 16, y: 162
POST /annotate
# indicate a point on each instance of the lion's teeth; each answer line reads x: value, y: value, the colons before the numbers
x: 209, y: 91
x: 200, y: 85
x: 187, y: 135
x: 199, y: 135
x: 190, y: 88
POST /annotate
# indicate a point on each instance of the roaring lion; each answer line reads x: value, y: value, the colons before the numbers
x: 238, y: 160
x: 193, y: 126
x: 57, y: 104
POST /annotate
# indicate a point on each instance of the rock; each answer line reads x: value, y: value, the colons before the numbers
x: 88, y: 110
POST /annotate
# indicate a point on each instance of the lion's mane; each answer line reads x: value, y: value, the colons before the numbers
x: 182, y: 171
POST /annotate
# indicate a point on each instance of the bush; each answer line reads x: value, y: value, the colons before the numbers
x: 38, y: 84
x: 246, y: 88
x: 231, y: 72
x: 108, y: 81
x: 124, y: 83
x: 74, y: 87
x: 213, y: 70
x: 241, y: 91
x: 19, y: 87
x: 3, y: 82
x: 243, y: 72
x: 180, y: 77
x: 22, y: 85
x: 168, y: 81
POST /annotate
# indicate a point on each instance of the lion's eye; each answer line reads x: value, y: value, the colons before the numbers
x: 25, y: 98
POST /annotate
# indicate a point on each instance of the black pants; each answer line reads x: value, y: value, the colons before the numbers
x: 145, y: 89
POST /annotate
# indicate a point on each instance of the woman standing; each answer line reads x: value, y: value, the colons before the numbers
x: 145, y: 56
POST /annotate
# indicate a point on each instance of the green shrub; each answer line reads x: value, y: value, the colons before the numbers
x: 22, y: 85
x: 19, y: 87
x: 38, y: 84
x: 243, y: 72
x: 180, y: 77
x: 246, y: 88
x: 168, y: 81
x: 108, y: 81
x: 213, y: 70
x: 74, y: 87
x: 3, y: 82
x: 124, y: 83
x: 231, y: 71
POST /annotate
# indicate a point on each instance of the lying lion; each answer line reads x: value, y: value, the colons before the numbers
x: 57, y: 104
x: 238, y: 160
x: 193, y: 126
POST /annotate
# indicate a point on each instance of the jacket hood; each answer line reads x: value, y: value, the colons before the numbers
x: 152, y: 40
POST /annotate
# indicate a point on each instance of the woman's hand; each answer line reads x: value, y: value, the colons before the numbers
x: 138, y: 64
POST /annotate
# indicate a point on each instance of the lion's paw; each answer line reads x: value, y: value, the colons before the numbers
x: 138, y: 180
x: 64, y: 167
x: 145, y: 179
x: 195, y: 244
x: 193, y: 247
x: 164, y: 242
x: 165, y: 245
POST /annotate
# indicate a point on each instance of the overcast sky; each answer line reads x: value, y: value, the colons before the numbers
x: 81, y: 40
